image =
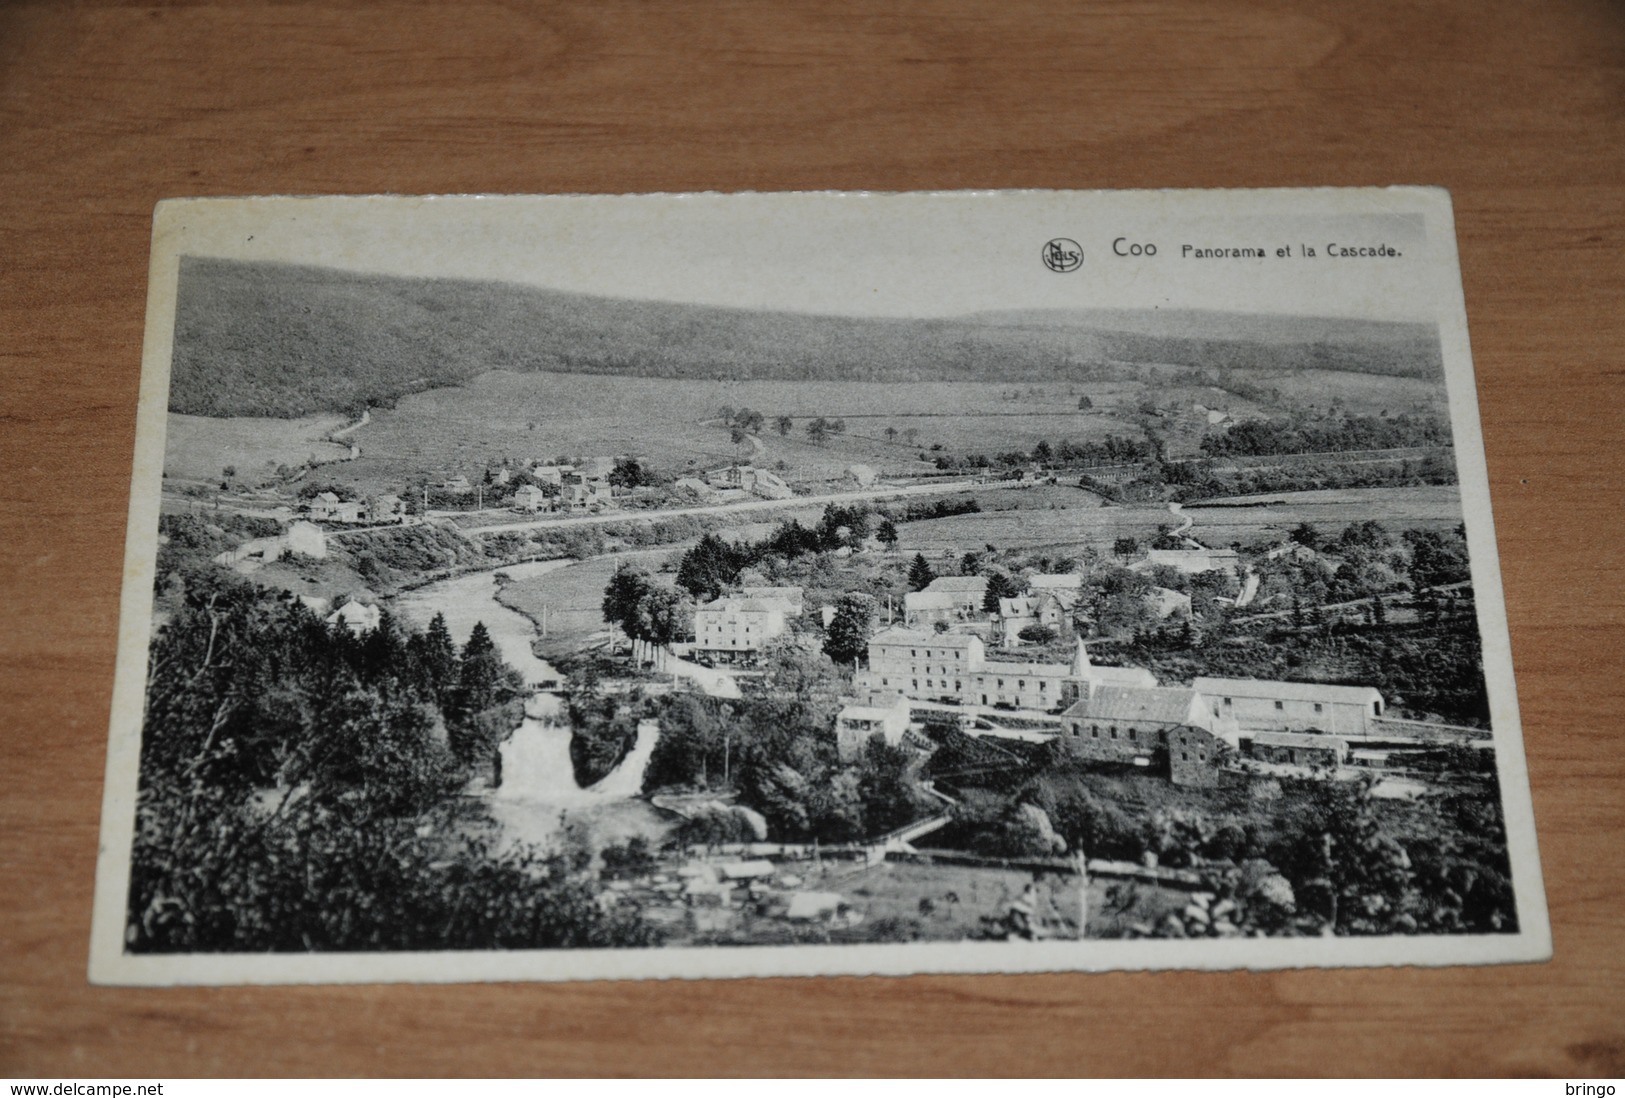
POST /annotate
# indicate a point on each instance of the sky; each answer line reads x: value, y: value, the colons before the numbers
x: 923, y: 255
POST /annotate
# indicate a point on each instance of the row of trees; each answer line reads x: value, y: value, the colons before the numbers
x: 1331, y: 431
x: 647, y: 612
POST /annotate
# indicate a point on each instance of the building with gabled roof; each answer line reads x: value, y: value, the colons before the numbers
x: 737, y: 627
x: 1124, y: 724
x: 946, y: 599
x: 1268, y: 705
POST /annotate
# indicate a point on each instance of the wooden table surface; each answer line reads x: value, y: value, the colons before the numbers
x: 1518, y: 108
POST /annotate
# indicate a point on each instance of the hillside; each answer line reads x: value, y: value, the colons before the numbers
x: 283, y: 340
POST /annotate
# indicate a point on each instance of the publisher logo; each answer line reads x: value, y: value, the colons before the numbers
x: 1062, y: 255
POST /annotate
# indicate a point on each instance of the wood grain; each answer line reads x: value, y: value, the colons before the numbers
x: 1518, y: 108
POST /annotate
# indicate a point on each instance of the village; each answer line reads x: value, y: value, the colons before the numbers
x: 998, y: 658
x: 840, y: 702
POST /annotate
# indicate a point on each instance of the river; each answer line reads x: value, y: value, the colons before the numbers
x: 538, y: 791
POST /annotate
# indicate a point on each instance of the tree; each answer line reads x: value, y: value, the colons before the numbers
x: 484, y: 682
x: 847, y: 638
x: 1125, y: 547
x: 891, y: 435
x: 1037, y: 634
x: 710, y: 567
x: 1042, y: 452
x: 920, y: 574
x: 999, y: 586
x: 887, y: 533
x: 436, y: 654
x: 629, y: 473
x: 783, y: 423
x: 818, y: 431
x: 1084, y: 404
x: 1306, y: 535
x: 623, y: 596
x: 663, y: 616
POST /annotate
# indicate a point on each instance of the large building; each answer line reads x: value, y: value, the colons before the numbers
x: 953, y: 668
x: 917, y: 664
x: 1126, y: 723
x: 1259, y: 705
x: 735, y: 628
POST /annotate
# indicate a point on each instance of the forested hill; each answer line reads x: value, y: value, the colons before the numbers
x: 283, y: 340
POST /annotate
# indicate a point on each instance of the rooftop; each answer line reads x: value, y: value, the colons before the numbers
x: 916, y: 636
x: 933, y: 600
x: 1286, y: 691
x: 962, y: 584
x: 1164, y: 704
x: 734, y: 604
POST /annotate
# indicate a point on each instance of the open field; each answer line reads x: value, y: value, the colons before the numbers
x: 1021, y: 529
x: 1363, y: 394
x: 676, y: 424
x: 199, y: 447
x: 574, y: 596
x: 1248, y: 518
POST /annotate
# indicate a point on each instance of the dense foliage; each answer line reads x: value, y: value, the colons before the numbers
x: 1331, y: 432
x: 1342, y: 861
x: 298, y: 790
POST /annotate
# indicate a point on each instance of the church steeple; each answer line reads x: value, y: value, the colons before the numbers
x: 1080, y: 662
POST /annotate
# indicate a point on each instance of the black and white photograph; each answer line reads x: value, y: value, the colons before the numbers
x: 536, y: 588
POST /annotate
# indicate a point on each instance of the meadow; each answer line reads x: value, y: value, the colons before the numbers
x: 1054, y: 526
x: 676, y: 424
x: 1254, y: 518
x: 201, y: 447
x: 1363, y: 394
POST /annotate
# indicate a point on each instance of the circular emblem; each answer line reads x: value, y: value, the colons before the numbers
x: 1062, y: 255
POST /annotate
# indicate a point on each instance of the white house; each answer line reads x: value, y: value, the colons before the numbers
x: 528, y: 497
x: 734, y: 627
x: 355, y: 617
x: 327, y: 507
x: 856, y: 725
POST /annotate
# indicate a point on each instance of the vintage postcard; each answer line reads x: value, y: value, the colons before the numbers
x: 582, y: 587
